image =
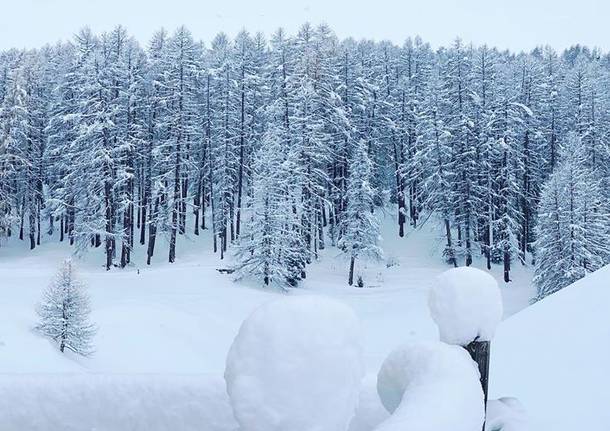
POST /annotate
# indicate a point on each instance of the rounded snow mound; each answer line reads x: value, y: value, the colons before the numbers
x: 466, y: 304
x: 296, y: 364
x: 430, y: 386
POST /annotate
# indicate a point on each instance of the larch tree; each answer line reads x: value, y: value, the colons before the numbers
x: 361, y: 225
x: 574, y: 223
x: 64, y: 312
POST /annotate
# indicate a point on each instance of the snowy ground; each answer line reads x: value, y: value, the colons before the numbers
x: 180, y: 319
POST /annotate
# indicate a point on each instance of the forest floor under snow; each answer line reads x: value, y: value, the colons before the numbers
x: 179, y: 319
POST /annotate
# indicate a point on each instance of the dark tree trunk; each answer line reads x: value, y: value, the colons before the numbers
x: 61, y: 228
x: 152, y: 232
x: 108, y: 239
x: 506, y: 266
x: 451, y: 259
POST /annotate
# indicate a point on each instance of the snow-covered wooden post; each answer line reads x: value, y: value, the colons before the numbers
x: 466, y: 304
x: 479, y: 352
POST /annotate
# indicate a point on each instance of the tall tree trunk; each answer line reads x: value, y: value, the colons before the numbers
x: 350, y: 279
x: 152, y: 231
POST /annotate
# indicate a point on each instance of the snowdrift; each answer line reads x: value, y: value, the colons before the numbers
x: 430, y: 386
x: 555, y: 357
x: 75, y: 402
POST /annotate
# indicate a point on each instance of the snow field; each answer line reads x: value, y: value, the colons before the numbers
x: 177, y: 322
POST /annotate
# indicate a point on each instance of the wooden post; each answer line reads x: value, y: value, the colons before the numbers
x: 479, y: 352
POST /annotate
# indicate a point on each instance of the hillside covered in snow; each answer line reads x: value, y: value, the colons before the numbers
x: 554, y: 356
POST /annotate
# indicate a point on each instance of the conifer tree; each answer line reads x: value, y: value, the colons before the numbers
x: 574, y: 223
x: 64, y: 312
x: 361, y: 224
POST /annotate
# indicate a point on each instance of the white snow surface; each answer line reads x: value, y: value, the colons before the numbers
x: 296, y: 364
x: 177, y: 321
x: 466, y: 304
x: 79, y: 402
x: 430, y: 386
x: 506, y: 414
x: 554, y: 358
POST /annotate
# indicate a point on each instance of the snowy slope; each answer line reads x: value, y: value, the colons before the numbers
x: 555, y: 357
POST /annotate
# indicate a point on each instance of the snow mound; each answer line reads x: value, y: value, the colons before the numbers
x: 105, y: 402
x: 296, y: 364
x: 430, y: 386
x: 505, y: 414
x: 466, y: 304
x: 554, y: 355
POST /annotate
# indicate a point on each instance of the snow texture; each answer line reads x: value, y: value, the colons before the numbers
x: 296, y: 364
x: 164, y: 328
x: 430, y: 386
x: 554, y: 355
x: 370, y: 411
x: 466, y: 304
x: 79, y: 402
x: 506, y: 414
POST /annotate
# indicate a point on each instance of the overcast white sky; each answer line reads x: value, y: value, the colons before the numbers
x: 514, y: 24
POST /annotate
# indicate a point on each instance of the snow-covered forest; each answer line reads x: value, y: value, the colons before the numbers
x: 283, y: 145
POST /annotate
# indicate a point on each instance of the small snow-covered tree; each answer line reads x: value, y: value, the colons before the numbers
x: 361, y: 225
x: 64, y: 312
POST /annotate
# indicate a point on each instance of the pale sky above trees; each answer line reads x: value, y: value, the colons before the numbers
x: 513, y: 24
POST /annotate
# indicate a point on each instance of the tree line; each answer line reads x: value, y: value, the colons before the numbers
x: 281, y: 147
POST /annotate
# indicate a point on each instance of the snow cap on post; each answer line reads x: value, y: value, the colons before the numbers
x: 296, y: 364
x: 466, y: 304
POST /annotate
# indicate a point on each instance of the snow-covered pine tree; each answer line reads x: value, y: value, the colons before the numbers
x: 224, y: 138
x: 181, y: 122
x: 64, y: 312
x: 437, y: 164
x: 361, y: 224
x: 507, y: 128
x: 551, y: 238
x: 459, y: 118
x: 309, y: 135
x: 485, y: 73
x: 550, y: 109
x: 14, y: 149
x: 61, y: 130
x: 574, y: 223
x: 271, y: 247
x: 93, y: 154
x: 154, y: 169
